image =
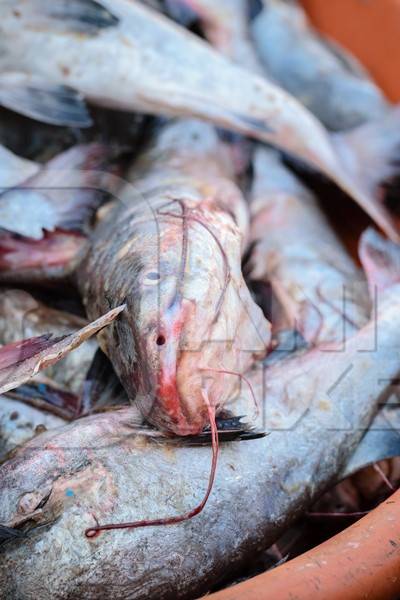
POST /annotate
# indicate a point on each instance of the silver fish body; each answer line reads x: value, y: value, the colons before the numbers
x: 316, y: 407
x: 157, y: 71
x: 321, y: 75
x: 172, y: 250
x: 322, y: 292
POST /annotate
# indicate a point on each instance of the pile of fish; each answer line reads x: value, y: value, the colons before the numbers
x: 160, y: 200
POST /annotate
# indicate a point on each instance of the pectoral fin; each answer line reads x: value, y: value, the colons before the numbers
x: 79, y: 16
x: 43, y: 101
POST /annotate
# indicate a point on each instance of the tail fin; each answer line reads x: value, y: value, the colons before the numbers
x: 43, y: 101
x: 370, y: 155
x: 64, y: 194
x: 380, y: 259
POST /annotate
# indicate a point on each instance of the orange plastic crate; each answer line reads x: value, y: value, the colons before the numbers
x: 368, y: 28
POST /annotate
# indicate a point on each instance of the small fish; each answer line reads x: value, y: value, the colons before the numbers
x: 317, y: 406
x: 171, y: 250
x: 320, y: 74
x: 322, y: 292
x: 160, y: 71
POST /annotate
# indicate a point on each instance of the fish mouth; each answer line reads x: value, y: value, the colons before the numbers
x: 172, y: 409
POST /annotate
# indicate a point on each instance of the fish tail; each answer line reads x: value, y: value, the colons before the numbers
x: 43, y: 101
x: 371, y: 157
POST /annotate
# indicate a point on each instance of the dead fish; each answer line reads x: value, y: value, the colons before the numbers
x: 322, y: 292
x: 13, y: 169
x: 316, y: 408
x: 320, y: 74
x: 44, y: 220
x: 159, y: 70
x: 224, y: 24
x: 20, y: 361
x: 20, y: 422
x: 171, y: 249
x: 38, y: 99
x: 22, y: 316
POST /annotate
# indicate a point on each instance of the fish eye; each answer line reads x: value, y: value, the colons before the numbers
x: 152, y: 277
x: 160, y: 341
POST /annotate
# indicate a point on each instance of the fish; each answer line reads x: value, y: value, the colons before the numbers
x: 22, y: 316
x: 20, y: 422
x: 14, y: 169
x: 224, y: 25
x: 171, y: 250
x: 320, y: 74
x: 320, y: 290
x: 45, y: 219
x: 158, y: 72
x: 39, y: 99
x: 317, y: 406
x: 20, y: 361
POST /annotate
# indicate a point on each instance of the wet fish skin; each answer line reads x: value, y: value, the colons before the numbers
x: 20, y: 423
x: 225, y: 26
x: 321, y: 291
x: 14, y: 169
x: 322, y: 76
x: 170, y: 82
x: 44, y: 220
x: 172, y: 250
x: 36, y: 98
x: 261, y: 485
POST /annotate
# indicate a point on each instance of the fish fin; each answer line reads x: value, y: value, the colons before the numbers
x: 102, y: 388
x: 22, y: 361
x: 371, y: 154
x: 45, y: 397
x: 380, y: 259
x: 17, y: 352
x: 14, y: 169
x: 380, y: 442
x: 254, y: 8
x: 7, y: 534
x: 62, y: 195
x: 52, y: 257
x: 43, y: 101
x: 79, y: 16
x: 182, y: 12
x: 230, y: 428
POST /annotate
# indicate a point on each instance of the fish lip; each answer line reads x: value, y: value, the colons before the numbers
x: 178, y: 422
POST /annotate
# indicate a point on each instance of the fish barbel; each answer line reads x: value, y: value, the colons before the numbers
x: 317, y: 406
x: 172, y: 249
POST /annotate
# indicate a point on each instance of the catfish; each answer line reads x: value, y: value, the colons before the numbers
x: 160, y: 69
x: 316, y: 408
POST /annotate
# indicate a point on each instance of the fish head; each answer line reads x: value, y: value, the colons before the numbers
x: 195, y: 330
x: 160, y: 319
